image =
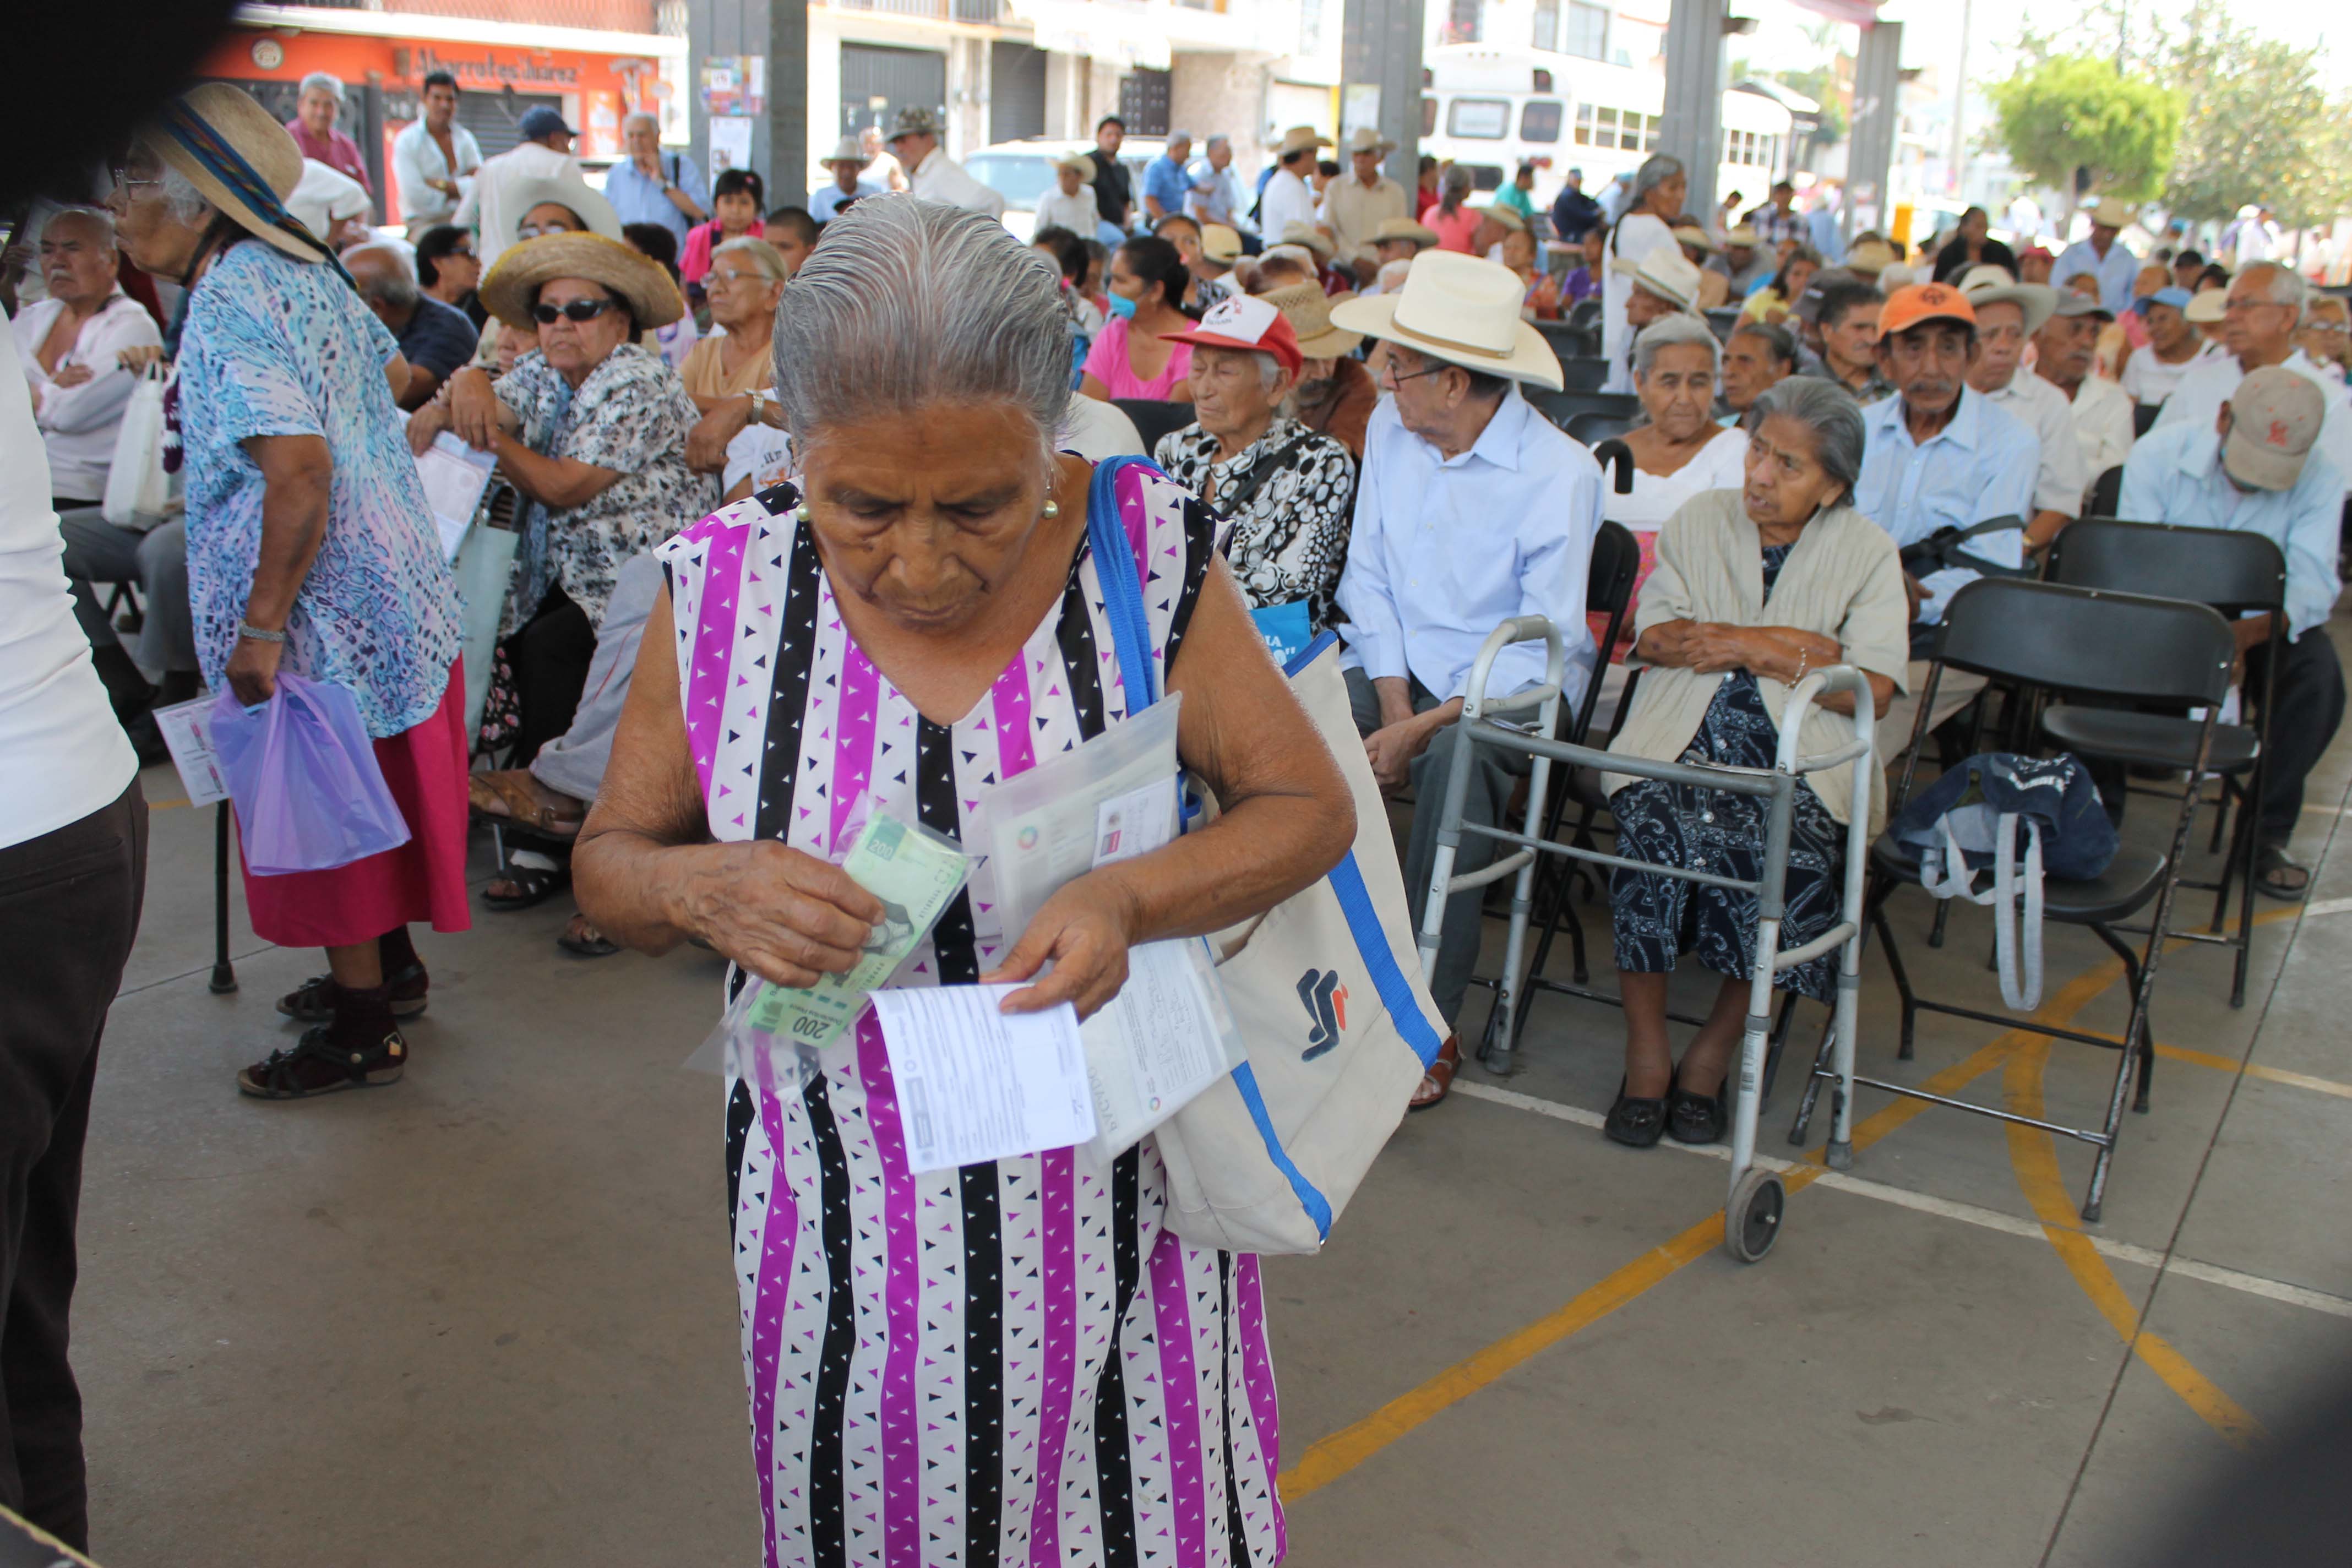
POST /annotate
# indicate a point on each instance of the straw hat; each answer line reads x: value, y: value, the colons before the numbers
x: 1220, y: 243
x: 1690, y: 233
x: 1298, y: 233
x: 1367, y: 140
x: 571, y: 193
x: 228, y: 116
x: 1308, y: 311
x: 1300, y: 139
x: 2113, y: 212
x: 1989, y: 285
x: 1078, y: 161
x: 1664, y: 271
x: 846, y: 151
x: 1390, y: 228
x: 2207, y: 306
x: 1508, y: 218
x: 507, y: 292
x: 1741, y: 237
x: 1462, y: 309
x: 1871, y: 257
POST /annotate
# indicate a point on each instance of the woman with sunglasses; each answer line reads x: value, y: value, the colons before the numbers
x: 590, y: 428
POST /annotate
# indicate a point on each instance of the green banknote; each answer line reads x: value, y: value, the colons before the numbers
x: 914, y: 874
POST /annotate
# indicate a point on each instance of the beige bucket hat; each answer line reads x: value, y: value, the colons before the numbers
x: 507, y: 292
x: 1308, y: 311
x: 1462, y: 309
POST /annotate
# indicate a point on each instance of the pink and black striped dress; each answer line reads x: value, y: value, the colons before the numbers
x: 1012, y: 1363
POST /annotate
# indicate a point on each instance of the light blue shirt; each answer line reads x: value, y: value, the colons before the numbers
x: 1982, y: 465
x: 1445, y: 548
x: 2175, y: 475
x: 1821, y: 228
x: 1165, y: 182
x: 823, y: 205
x: 2117, y: 274
x: 1220, y: 201
x: 637, y: 198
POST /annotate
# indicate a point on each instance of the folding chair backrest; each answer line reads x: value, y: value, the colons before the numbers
x: 1585, y: 313
x: 1154, y: 418
x: 1594, y: 426
x: 1559, y: 407
x: 1584, y: 372
x: 2107, y: 491
x: 2223, y: 567
x: 1722, y: 321
x: 2144, y: 418
x: 1608, y: 591
x: 2089, y: 641
x: 1569, y: 341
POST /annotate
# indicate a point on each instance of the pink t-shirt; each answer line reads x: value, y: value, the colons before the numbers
x: 1454, y: 233
x: 1106, y: 361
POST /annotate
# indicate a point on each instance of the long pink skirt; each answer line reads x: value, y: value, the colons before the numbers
x: 424, y: 879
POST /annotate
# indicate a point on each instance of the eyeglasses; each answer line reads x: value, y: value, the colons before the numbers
x: 124, y: 181
x: 534, y: 230
x: 1396, y: 379
x: 575, y: 311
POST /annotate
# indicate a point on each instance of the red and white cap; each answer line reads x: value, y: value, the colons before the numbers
x: 1240, y: 321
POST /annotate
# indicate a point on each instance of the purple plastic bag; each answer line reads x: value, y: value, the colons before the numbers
x: 303, y: 775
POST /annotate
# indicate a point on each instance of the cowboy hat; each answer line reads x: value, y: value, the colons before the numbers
x: 1697, y: 238
x: 1300, y: 139
x: 1741, y: 237
x: 1364, y: 138
x: 1990, y: 285
x: 1462, y: 309
x: 847, y: 152
x: 1870, y: 257
x: 1219, y: 243
x: 514, y: 282
x: 1077, y: 163
x: 1509, y: 217
x: 1391, y: 228
x: 570, y: 193
x: 1308, y: 309
x: 1296, y: 232
x: 2207, y: 305
x: 2113, y: 212
x: 219, y: 139
x: 1664, y: 271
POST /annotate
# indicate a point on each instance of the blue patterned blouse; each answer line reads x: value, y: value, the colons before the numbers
x: 274, y: 346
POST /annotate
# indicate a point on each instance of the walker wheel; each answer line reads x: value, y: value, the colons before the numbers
x: 1751, y: 1220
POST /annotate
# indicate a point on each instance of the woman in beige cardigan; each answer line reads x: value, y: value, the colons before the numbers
x: 1720, y: 669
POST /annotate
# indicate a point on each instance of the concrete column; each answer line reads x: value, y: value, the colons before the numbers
x: 1379, y: 45
x: 1693, y: 123
x: 1877, y: 115
x: 787, y: 127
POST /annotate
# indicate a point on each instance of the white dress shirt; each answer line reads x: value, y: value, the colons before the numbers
x: 1288, y: 200
x: 2149, y: 380
x: 1445, y: 549
x: 79, y: 424
x: 939, y: 178
x: 417, y: 158
x: 2176, y: 476
x: 485, y: 205
x: 2197, y: 401
x: 1079, y: 213
x: 2061, y: 480
x: 2103, y: 423
x: 1980, y: 466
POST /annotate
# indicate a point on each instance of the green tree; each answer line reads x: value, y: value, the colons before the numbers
x: 2260, y: 125
x: 2066, y: 112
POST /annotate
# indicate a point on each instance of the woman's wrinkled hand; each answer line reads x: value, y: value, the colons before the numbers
x: 425, y: 424
x: 252, y: 670
x: 784, y: 914
x: 1084, y: 931
x: 474, y: 410
x: 1711, y: 647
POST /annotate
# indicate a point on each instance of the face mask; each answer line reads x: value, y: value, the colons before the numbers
x: 1120, y: 305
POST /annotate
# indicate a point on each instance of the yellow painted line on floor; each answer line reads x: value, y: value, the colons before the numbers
x: 2034, y: 1155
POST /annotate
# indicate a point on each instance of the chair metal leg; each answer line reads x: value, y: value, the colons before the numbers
x: 1902, y: 977
x: 224, y: 978
x: 1943, y: 914
x: 1797, y: 1128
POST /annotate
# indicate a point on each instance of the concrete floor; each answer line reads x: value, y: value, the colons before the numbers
x: 484, y: 1317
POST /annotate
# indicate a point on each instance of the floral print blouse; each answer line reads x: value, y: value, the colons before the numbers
x: 1290, y: 538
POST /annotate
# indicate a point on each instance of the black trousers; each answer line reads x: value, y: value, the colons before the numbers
x: 69, y: 904
x: 2306, y: 710
x: 550, y: 655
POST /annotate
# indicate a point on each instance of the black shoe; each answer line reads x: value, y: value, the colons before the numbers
x: 1695, y: 1118
x: 1634, y: 1121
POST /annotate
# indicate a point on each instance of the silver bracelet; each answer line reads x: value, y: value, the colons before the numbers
x: 255, y: 634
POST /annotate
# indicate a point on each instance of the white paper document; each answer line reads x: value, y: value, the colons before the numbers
x: 455, y: 477
x: 976, y: 1084
x: 188, y: 731
x: 1167, y: 1035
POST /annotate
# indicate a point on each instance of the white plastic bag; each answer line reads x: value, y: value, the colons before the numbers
x: 137, y: 491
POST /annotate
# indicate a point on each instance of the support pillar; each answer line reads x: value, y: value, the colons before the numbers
x: 1877, y: 89
x: 777, y: 29
x: 1693, y: 123
x: 1380, y: 48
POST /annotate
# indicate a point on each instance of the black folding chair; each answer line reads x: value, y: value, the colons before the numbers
x: 2144, y: 418
x: 2098, y: 644
x: 1585, y: 313
x: 1723, y: 320
x: 1154, y: 418
x: 2235, y: 573
x: 1584, y: 373
x: 123, y: 609
x: 2107, y: 491
x: 1593, y: 427
x: 1570, y: 341
x: 1559, y: 407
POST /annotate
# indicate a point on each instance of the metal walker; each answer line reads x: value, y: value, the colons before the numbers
x: 1752, y: 1209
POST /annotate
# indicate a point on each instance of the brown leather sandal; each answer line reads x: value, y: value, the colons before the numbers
x: 1438, y: 1081
x: 513, y: 795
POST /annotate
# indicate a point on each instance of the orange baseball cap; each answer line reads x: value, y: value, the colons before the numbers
x: 1906, y: 308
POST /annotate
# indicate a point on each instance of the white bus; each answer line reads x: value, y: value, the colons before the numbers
x: 1492, y: 109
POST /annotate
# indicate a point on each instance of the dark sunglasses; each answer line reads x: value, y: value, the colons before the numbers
x: 577, y: 311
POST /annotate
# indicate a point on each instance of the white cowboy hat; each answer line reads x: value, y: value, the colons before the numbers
x: 848, y: 150
x: 1367, y: 140
x: 1462, y: 309
x: 1298, y: 233
x: 567, y: 191
x: 1664, y: 271
x: 1990, y: 285
x: 2113, y: 212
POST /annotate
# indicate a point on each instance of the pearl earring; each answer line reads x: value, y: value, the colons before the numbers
x: 801, y: 512
x: 1052, y: 509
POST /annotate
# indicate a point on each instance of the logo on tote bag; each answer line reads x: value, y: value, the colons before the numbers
x: 1326, y: 1001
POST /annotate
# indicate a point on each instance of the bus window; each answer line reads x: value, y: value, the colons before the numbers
x: 1479, y: 119
x: 1429, y: 117
x: 1539, y: 121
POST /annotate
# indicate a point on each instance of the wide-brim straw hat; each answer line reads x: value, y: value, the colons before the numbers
x: 1988, y: 284
x: 1510, y: 217
x: 1077, y: 161
x: 590, y: 206
x: 1459, y: 309
x: 1870, y: 258
x: 1697, y: 238
x: 199, y: 132
x: 523, y: 268
x: 1298, y: 233
x: 1391, y: 228
x: 2208, y: 305
x: 2114, y: 212
x: 1299, y: 138
x: 1664, y: 271
x: 1308, y: 311
x: 1367, y: 140
x: 848, y: 150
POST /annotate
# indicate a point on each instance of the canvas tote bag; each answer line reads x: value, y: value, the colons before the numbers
x: 1326, y: 988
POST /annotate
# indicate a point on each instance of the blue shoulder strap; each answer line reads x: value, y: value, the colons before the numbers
x: 1123, y: 586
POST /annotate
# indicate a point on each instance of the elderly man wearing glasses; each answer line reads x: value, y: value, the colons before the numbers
x: 2266, y: 305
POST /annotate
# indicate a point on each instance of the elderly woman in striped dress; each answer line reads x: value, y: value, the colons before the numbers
x: 1015, y: 1362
